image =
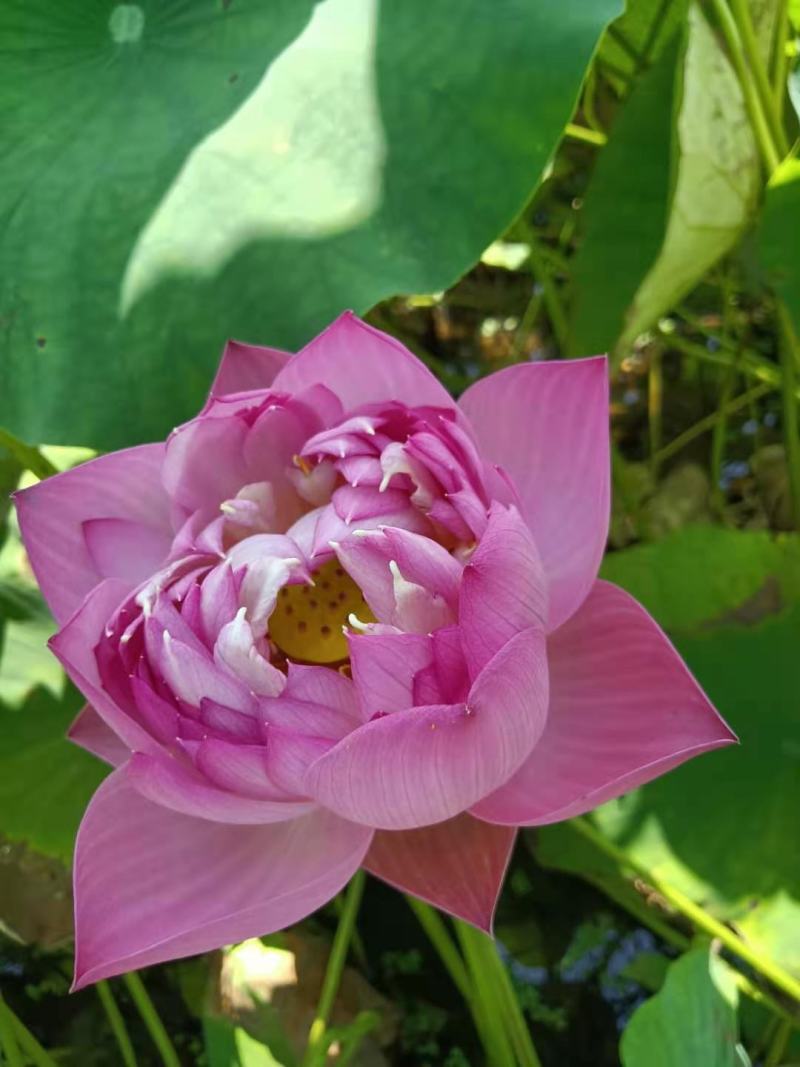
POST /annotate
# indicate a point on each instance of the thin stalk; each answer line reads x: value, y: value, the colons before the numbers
x: 432, y: 923
x: 31, y: 1047
x: 316, y: 1045
x: 552, y: 300
x: 8, y: 1038
x: 726, y: 393
x: 747, y: 33
x: 584, y: 133
x: 655, y: 29
x: 791, y: 431
x: 780, y: 59
x: 496, y: 1039
x: 151, y: 1019
x: 655, y: 408
x: 117, y: 1023
x: 751, y: 364
x: 630, y: 51
x: 758, y: 120
x: 710, y: 422
x: 26, y: 455
x: 701, y: 919
x: 495, y: 970
x: 779, y: 1043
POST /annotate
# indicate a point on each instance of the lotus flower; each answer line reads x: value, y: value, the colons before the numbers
x: 338, y: 620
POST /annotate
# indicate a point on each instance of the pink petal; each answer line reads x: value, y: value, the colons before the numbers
x: 153, y: 885
x: 427, y: 764
x: 193, y: 481
x: 384, y: 666
x: 173, y: 785
x: 244, y: 367
x: 362, y: 365
x: 456, y: 865
x: 547, y: 425
x: 290, y: 754
x: 623, y: 710
x: 92, y: 733
x: 323, y: 685
x: 193, y: 676
x: 74, y: 646
x: 242, y: 769
x: 503, y: 590
x: 122, y: 485
x: 122, y: 548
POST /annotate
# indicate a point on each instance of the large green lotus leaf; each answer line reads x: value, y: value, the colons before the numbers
x: 779, y: 237
x: 45, y: 780
x: 691, y: 1021
x: 625, y: 210
x: 716, y: 172
x: 173, y: 174
x: 722, y: 828
x: 700, y: 573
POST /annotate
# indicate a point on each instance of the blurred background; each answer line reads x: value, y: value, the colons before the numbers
x: 490, y: 184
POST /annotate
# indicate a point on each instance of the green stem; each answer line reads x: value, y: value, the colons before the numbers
x: 484, y: 951
x: 486, y: 1010
x: 552, y: 300
x: 584, y: 133
x: 687, y: 907
x: 333, y: 973
x: 655, y: 407
x: 655, y: 29
x: 791, y: 431
x: 747, y: 33
x: 780, y: 60
x: 779, y: 1043
x: 8, y: 1038
x: 432, y: 923
x: 150, y: 1018
x: 26, y: 455
x: 117, y: 1023
x: 616, y: 34
x: 712, y: 421
x: 31, y: 1047
x: 758, y: 120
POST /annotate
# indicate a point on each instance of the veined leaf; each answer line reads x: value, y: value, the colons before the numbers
x: 206, y: 171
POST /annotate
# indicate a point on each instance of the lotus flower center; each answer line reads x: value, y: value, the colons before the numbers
x: 308, y: 621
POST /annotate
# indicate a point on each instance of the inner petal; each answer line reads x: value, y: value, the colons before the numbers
x: 308, y: 622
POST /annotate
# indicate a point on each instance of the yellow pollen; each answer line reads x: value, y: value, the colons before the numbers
x: 303, y: 464
x: 308, y: 620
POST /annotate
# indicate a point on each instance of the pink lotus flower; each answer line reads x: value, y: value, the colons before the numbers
x: 338, y: 620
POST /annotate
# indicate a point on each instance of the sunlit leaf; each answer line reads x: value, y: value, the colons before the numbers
x: 173, y: 175
x: 716, y: 173
x: 691, y: 1021
x: 721, y: 828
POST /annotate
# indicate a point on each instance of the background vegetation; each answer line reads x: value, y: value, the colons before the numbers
x: 490, y: 183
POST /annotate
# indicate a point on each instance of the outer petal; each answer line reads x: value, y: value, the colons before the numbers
x: 122, y: 485
x: 384, y: 666
x: 153, y: 885
x: 456, y: 865
x: 427, y: 764
x: 547, y: 425
x: 89, y: 731
x: 362, y: 365
x: 177, y: 787
x: 74, y: 645
x: 503, y: 589
x: 122, y: 548
x: 623, y: 710
x: 244, y: 367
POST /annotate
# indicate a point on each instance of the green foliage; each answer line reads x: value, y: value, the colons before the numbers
x: 691, y: 1022
x: 780, y: 235
x: 45, y: 781
x: 700, y: 573
x: 229, y: 206
x: 231, y: 1046
x: 626, y: 207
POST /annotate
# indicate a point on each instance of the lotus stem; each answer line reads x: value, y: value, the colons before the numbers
x: 117, y: 1023
x: 151, y: 1019
x: 333, y: 973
